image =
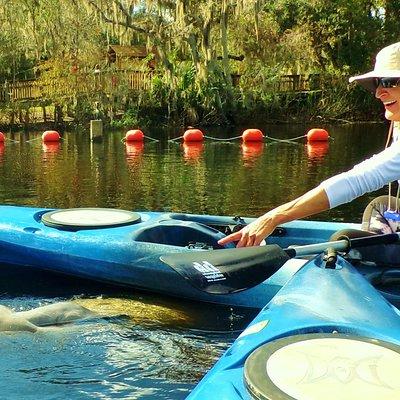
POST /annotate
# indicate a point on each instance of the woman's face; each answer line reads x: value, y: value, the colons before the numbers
x: 390, y: 97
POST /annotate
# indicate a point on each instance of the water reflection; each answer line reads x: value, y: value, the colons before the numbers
x: 51, y: 148
x: 251, y: 151
x: 192, y: 151
x: 316, y: 151
x: 133, y: 149
x: 200, y: 178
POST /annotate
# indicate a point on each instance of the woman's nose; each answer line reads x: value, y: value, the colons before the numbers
x: 378, y: 91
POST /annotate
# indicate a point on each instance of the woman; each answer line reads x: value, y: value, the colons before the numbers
x: 367, y: 176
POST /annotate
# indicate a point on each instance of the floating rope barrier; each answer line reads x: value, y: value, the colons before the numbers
x: 33, y: 140
x: 253, y: 135
x: 4, y: 139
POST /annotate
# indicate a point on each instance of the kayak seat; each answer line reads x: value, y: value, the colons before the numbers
x: 388, y: 254
x: 179, y: 233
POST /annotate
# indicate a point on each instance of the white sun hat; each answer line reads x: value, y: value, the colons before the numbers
x: 387, y: 65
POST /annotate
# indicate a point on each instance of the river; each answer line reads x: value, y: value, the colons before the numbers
x: 161, y: 347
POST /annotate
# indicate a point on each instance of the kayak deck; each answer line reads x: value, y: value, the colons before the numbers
x: 355, y: 334
x: 129, y: 254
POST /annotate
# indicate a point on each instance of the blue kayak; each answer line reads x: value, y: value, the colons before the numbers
x: 328, y: 334
x: 124, y: 247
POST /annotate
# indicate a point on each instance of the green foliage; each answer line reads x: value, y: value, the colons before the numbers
x: 62, y: 40
x: 84, y: 109
x: 129, y: 119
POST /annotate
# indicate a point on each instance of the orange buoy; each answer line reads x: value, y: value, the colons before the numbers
x: 252, y: 135
x: 51, y: 136
x: 2, y: 137
x: 134, y: 135
x: 317, y: 135
x: 193, y: 135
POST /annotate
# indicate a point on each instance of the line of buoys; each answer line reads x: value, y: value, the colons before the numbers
x: 317, y: 135
x: 254, y: 135
x: 50, y: 136
x: 196, y: 135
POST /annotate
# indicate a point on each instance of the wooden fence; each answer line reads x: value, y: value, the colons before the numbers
x: 133, y: 80
x: 298, y: 83
x: 107, y: 82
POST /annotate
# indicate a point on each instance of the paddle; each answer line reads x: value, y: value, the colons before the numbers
x: 232, y: 270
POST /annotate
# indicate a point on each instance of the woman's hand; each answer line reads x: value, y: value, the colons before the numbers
x: 312, y: 202
x: 252, y: 234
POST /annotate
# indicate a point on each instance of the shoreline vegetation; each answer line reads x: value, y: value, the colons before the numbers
x: 184, y: 62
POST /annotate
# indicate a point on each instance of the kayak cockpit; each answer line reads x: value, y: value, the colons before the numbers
x: 180, y: 233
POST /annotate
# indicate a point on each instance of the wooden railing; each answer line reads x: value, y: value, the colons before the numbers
x: 106, y: 82
x: 298, y: 83
x: 133, y: 80
x: 21, y: 90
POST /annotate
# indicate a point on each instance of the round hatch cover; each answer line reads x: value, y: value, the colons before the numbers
x: 324, y: 366
x: 89, y: 218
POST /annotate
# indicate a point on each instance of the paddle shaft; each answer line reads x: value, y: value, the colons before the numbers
x: 342, y: 245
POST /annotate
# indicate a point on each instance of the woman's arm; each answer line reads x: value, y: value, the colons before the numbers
x: 367, y: 176
x: 311, y: 203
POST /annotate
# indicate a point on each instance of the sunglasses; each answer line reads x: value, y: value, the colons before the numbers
x: 386, y: 82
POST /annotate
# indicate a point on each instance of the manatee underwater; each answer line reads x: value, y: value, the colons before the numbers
x: 41, y: 317
x: 127, y: 310
x: 63, y: 313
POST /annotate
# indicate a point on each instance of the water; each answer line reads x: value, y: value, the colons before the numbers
x: 152, y: 347
x: 148, y: 347
x: 214, y: 178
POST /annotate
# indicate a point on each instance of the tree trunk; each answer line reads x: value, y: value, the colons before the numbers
x: 224, y: 41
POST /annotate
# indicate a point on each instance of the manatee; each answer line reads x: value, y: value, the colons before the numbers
x: 56, y: 314
x: 40, y: 317
x: 9, y: 321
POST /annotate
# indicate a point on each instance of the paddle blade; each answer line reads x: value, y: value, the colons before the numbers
x: 227, y: 270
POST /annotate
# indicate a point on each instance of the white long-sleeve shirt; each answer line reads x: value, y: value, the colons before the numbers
x: 369, y: 175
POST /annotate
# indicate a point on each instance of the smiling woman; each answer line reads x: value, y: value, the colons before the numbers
x: 370, y: 175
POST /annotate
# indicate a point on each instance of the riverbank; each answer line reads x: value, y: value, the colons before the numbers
x: 339, y: 105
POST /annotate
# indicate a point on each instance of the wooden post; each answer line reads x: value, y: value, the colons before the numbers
x: 44, y: 113
x: 96, y: 130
